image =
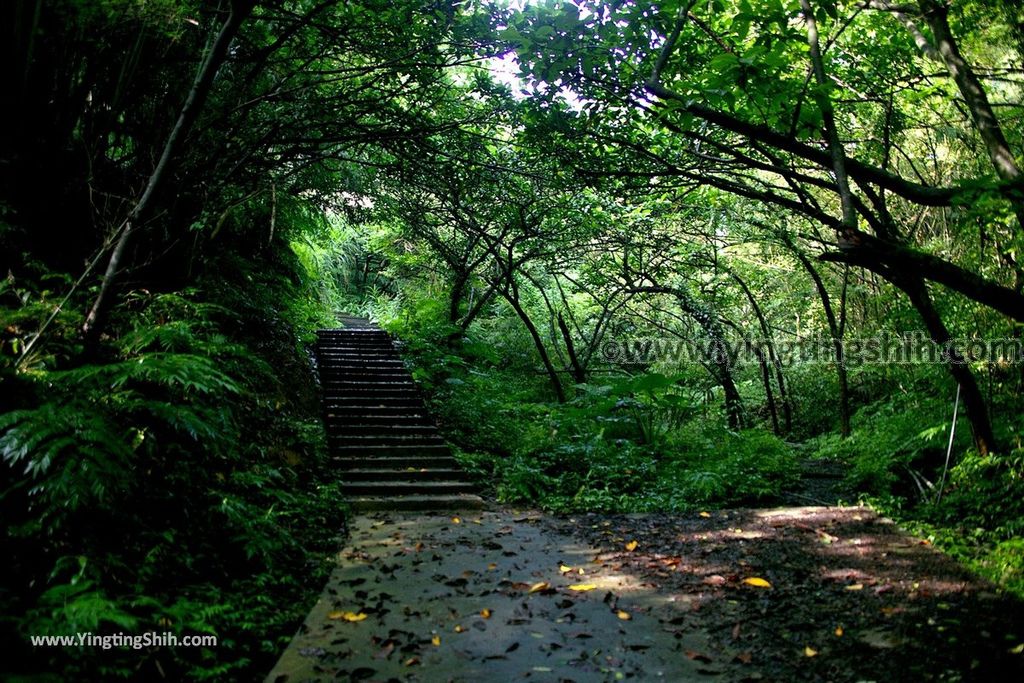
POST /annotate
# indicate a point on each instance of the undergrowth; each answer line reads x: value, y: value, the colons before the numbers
x: 175, y: 481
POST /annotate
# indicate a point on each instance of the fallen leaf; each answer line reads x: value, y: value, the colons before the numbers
x: 346, y: 616
x: 492, y: 566
x: 542, y: 669
x: 436, y: 640
x: 539, y: 586
x: 564, y: 569
x: 458, y: 628
x: 855, y: 587
x: 705, y: 514
x: 839, y: 631
x: 1017, y: 650
x: 582, y: 587
x: 456, y: 520
x: 757, y: 581
x: 485, y: 613
x: 624, y: 615
x: 412, y: 661
x: 631, y: 546
x: 810, y: 651
x: 697, y: 656
x: 744, y: 657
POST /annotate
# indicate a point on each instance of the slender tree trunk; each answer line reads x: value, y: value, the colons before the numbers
x: 977, y: 412
x: 95, y: 320
x: 766, y: 379
x: 579, y: 373
x: 773, y: 356
x: 837, y: 340
x: 510, y: 295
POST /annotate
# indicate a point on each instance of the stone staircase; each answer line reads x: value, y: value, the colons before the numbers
x: 378, y: 429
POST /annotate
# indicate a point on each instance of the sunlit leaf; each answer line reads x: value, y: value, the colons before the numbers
x: 582, y: 587
x: 757, y: 581
x: 539, y: 586
x: 436, y: 640
x: 855, y: 587
x: 810, y: 651
x: 346, y: 616
x: 485, y: 613
x: 624, y: 615
x: 631, y: 546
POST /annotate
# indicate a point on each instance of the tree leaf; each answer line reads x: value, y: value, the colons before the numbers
x: 757, y: 581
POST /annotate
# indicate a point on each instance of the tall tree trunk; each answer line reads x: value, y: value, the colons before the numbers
x: 977, y: 412
x: 511, y: 295
x: 773, y: 356
x: 96, y: 318
x: 836, y: 333
x: 579, y: 373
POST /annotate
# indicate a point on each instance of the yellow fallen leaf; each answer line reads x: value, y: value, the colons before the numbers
x: 839, y: 631
x: 810, y: 651
x: 564, y: 568
x: 1017, y: 650
x: 625, y: 616
x: 855, y: 587
x: 540, y: 586
x: 757, y: 581
x: 346, y: 616
x: 485, y: 613
x: 458, y: 628
x: 582, y: 587
x: 456, y: 520
x: 492, y: 566
x: 436, y: 640
x: 411, y: 661
x: 631, y: 546
x: 705, y: 514
x: 580, y: 571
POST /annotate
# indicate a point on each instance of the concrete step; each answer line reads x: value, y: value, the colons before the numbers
x: 396, y: 462
x: 405, y: 488
x: 411, y: 503
x: 352, y: 428
x: 405, y: 474
x: 370, y: 403
x: 391, y: 450
x: 344, y: 440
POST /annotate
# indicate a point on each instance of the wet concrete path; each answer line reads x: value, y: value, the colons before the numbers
x: 486, y: 595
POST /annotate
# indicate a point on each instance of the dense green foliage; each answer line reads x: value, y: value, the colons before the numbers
x: 191, y: 189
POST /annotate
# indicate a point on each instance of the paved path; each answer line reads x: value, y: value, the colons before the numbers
x: 485, y: 596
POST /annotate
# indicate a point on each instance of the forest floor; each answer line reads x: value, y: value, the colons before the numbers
x: 795, y: 593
